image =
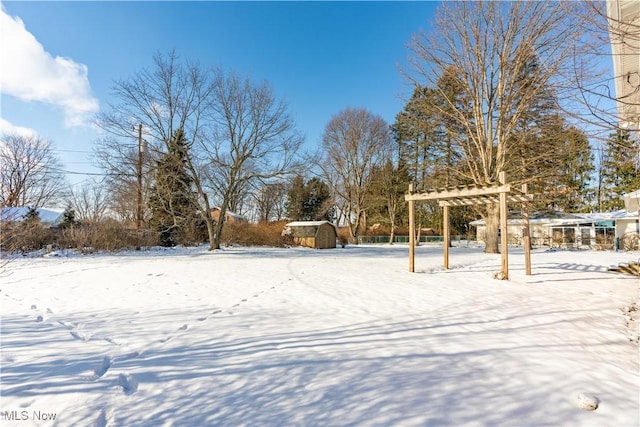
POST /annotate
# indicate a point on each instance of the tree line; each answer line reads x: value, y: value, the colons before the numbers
x: 494, y: 89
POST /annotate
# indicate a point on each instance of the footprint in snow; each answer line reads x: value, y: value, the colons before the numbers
x: 128, y: 383
x: 66, y: 324
x: 33, y: 307
x: 112, y: 341
x: 80, y: 335
x: 103, y: 368
x: 104, y: 419
x: 39, y: 319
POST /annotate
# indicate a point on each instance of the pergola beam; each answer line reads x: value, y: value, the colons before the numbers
x: 479, y: 200
x: 458, y: 192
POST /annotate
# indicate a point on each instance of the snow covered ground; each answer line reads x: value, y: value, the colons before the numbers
x: 301, y: 337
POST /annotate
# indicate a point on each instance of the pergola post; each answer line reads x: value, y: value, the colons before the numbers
x: 412, y: 231
x: 504, y: 250
x: 445, y: 232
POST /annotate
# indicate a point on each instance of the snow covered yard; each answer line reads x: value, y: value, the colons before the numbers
x: 300, y: 337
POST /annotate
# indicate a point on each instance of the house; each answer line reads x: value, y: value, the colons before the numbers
x: 312, y: 234
x: 608, y: 230
x: 623, y: 26
x: 48, y: 217
x: 229, y: 217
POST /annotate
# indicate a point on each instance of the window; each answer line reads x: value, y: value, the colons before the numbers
x: 605, y: 237
x: 569, y: 235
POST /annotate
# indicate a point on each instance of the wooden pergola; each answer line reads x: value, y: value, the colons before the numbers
x: 473, y: 196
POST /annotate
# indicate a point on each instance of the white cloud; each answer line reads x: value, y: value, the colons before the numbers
x: 32, y: 74
x: 9, y: 128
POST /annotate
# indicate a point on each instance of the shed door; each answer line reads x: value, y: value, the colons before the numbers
x: 323, y: 238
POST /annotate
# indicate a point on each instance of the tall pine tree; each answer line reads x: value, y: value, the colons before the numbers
x: 620, y: 169
x: 310, y: 201
x: 174, y: 214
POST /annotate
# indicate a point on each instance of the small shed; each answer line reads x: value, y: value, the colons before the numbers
x: 312, y: 234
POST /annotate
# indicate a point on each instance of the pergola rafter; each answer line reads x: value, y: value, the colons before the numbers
x: 471, y: 195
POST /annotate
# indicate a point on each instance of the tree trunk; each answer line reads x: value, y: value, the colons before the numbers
x: 210, y: 231
x: 492, y: 220
x: 217, y: 237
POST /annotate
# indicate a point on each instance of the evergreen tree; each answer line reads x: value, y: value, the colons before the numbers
x: 620, y: 169
x: 32, y: 216
x: 556, y: 162
x: 68, y: 218
x: 388, y: 204
x: 173, y: 211
x: 310, y: 201
x: 295, y: 199
x: 575, y: 166
x: 318, y: 204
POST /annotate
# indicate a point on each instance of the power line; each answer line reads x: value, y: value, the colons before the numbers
x: 74, y: 151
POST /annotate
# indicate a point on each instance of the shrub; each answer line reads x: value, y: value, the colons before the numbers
x: 262, y: 234
x: 25, y: 236
x: 107, y: 235
x: 344, y: 236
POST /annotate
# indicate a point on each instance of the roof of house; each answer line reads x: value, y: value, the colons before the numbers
x: 228, y: 212
x: 51, y: 216
x: 559, y: 218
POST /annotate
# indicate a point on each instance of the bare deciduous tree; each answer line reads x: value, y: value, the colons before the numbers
x: 253, y: 139
x: 30, y: 172
x: 237, y: 133
x: 612, y: 38
x: 355, y: 142
x: 89, y: 201
x: 118, y: 157
x: 270, y: 201
x: 169, y: 97
x: 488, y: 48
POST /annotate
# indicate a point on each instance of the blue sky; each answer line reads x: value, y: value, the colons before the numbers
x: 321, y: 57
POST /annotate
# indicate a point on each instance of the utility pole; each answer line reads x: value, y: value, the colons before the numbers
x: 139, y: 175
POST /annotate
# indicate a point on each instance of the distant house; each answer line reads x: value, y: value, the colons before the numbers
x: 573, y: 230
x: 312, y: 234
x: 229, y: 217
x: 49, y: 217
